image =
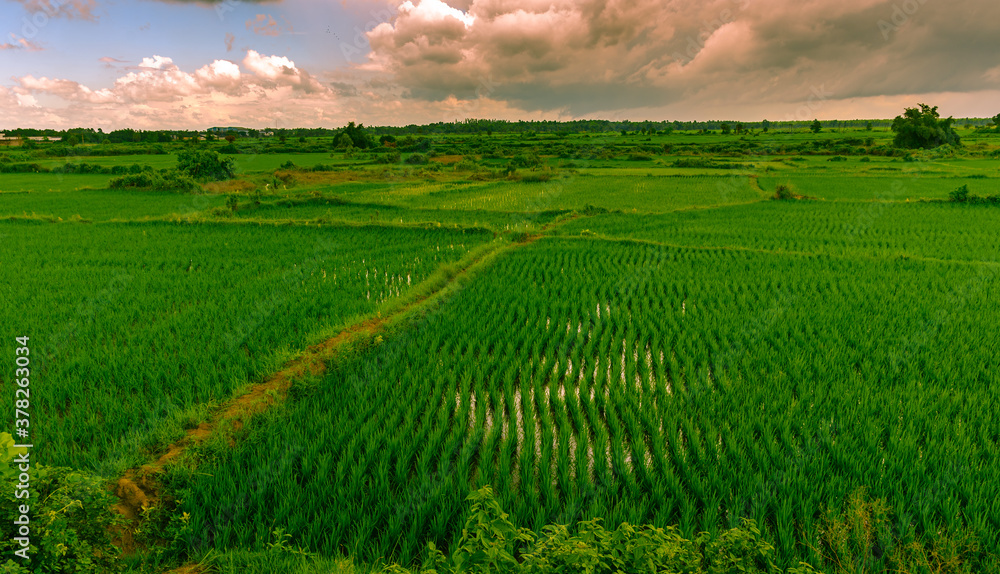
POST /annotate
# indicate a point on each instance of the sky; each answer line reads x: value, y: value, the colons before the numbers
x: 194, y: 64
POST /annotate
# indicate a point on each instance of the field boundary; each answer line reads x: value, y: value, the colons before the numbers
x: 731, y: 248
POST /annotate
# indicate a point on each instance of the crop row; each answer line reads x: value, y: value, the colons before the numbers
x: 867, y: 229
x: 641, y: 384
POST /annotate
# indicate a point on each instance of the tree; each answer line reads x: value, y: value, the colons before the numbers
x: 343, y: 141
x: 205, y: 164
x: 996, y: 121
x: 725, y: 128
x: 816, y: 126
x: 868, y: 126
x: 359, y: 137
x: 922, y: 128
x: 765, y: 125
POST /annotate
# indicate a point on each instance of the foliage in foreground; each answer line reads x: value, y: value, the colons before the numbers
x: 70, y: 519
x: 857, y: 538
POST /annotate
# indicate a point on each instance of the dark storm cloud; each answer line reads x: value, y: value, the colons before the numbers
x: 598, y: 55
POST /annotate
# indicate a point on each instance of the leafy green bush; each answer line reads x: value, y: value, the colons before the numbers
x: 491, y: 543
x: 960, y: 194
x: 71, y: 520
x: 526, y: 160
x: 783, y: 192
x: 391, y: 157
x: 416, y: 159
x: 205, y: 165
x: 163, y: 180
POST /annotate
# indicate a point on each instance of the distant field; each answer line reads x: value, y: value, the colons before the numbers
x: 868, y: 229
x: 104, y: 204
x: 896, y: 186
x: 638, y: 193
x: 329, y: 210
x: 51, y: 182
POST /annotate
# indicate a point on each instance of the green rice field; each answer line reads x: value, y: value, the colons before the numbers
x: 738, y: 346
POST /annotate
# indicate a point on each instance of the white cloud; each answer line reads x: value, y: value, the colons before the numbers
x: 280, y: 71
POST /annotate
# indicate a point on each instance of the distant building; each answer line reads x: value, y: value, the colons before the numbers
x: 14, y: 140
x: 229, y: 130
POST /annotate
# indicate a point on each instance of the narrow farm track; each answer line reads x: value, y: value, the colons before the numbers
x: 140, y: 488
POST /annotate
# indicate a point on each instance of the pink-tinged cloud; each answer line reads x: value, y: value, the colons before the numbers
x: 264, y: 25
x: 65, y: 89
x: 17, y: 43
x: 158, y: 92
x: 281, y: 71
x: 229, y: 41
x: 71, y: 9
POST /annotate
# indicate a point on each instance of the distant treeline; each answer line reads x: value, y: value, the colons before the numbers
x: 470, y: 126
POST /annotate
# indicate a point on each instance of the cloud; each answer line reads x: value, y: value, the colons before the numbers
x: 264, y: 24
x: 71, y: 9
x: 280, y: 71
x: 65, y: 89
x: 229, y: 41
x: 585, y: 56
x: 159, y: 93
x: 110, y: 62
x: 20, y: 44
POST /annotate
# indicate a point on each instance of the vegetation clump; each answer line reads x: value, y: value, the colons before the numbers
x: 923, y: 128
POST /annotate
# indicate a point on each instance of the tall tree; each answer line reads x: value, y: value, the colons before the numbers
x: 923, y: 128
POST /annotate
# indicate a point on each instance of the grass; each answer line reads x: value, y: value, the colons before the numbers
x: 142, y: 322
x: 104, y: 204
x: 674, y: 383
x: 652, y: 341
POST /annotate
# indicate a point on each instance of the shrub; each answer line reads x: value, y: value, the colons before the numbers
x: 416, y: 159
x: 536, y: 177
x: 75, y: 533
x: 526, y: 160
x: 960, y: 194
x: 164, y: 180
x: 389, y: 158
x: 783, y: 192
x: 205, y: 164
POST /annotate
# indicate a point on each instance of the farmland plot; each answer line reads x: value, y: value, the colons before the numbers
x: 136, y: 325
x: 645, y: 384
